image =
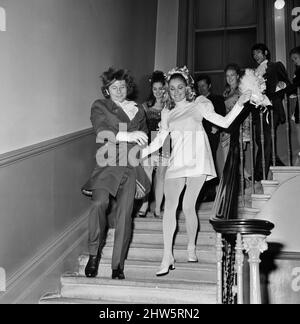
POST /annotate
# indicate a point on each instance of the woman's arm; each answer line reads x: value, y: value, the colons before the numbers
x: 156, y: 144
x: 208, y: 112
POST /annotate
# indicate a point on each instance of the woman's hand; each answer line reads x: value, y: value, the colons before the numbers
x: 245, y: 97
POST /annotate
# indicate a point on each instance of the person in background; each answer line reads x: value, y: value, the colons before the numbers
x: 231, y: 96
x: 158, y: 162
x: 204, y: 87
x: 120, y: 125
x: 191, y: 162
x: 276, y: 76
x: 295, y: 57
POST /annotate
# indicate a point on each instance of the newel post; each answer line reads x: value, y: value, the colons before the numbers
x: 254, y: 246
x: 219, y: 251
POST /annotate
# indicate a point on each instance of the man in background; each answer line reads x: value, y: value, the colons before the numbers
x: 204, y: 86
x: 276, y: 78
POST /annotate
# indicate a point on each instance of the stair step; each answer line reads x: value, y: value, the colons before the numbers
x: 204, y: 211
x: 149, y: 237
x: 270, y: 186
x: 259, y: 201
x: 154, y: 252
x: 202, y: 272
x: 138, y: 291
x: 282, y: 174
x: 153, y: 224
x: 248, y: 213
x: 50, y: 299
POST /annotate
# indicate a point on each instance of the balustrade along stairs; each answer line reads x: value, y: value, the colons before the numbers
x: 225, y: 239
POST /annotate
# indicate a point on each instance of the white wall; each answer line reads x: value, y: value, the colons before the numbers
x: 167, y: 35
x: 52, y: 54
x: 283, y: 211
x: 280, y: 39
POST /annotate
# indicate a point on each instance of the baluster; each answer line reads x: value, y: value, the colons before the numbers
x: 298, y: 100
x: 288, y: 128
x: 242, y: 179
x: 254, y: 246
x: 239, y: 263
x: 252, y: 157
x: 273, y: 138
x: 219, y: 247
x: 262, y: 141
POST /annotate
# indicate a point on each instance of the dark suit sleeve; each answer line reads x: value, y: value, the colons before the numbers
x: 142, y: 121
x: 100, y: 120
x: 282, y: 73
x: 220, y: 107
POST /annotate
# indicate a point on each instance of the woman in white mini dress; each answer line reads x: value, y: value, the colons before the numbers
x: 191, y: 162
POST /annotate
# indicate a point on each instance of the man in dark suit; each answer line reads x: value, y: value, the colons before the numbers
x: 204, y: 85
x: 120, y: 126
x: 275, y: 75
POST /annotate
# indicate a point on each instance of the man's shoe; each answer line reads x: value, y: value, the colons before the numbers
x: 121, y: 275
x: 118, y: 274
x: 91, y: 269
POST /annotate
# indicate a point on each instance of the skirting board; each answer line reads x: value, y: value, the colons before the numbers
x: 33, y: 272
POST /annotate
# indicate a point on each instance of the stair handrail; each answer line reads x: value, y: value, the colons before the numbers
x: 234, y: 235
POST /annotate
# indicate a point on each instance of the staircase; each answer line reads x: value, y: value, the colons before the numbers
x: 280, y: 176
x: 189, y: 283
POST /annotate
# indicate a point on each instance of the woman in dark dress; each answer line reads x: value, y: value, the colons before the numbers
x: 120, y: 126
x: 158, y: 162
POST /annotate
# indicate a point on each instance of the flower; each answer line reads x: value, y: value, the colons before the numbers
x: 253, y: 80
x: 184, y: 71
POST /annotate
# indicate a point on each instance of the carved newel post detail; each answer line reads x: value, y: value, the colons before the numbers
x: 254, y: 246
x: 239, y: 257
x: 219, y: 268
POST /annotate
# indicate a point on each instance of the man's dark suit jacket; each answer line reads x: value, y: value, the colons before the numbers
x: 106, y: 117
x: 214, y: 139
x: 219, y: 105
x: 275, y: 73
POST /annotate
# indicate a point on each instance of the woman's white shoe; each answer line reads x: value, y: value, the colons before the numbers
x: 165, y: 268
x: 192, y: 256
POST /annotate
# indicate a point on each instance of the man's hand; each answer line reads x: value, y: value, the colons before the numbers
x: 214, y: 130
x: 138, y: 137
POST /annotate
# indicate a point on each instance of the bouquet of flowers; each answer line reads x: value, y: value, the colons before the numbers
x: 254, y: 81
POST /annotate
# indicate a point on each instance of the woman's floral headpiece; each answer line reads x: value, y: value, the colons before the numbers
x: 183, y: 71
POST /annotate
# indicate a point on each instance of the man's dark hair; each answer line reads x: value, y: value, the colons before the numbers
x: 111, y: 75
x: 295, y: 50
x: 261, y: 47
x: 204, y: 77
